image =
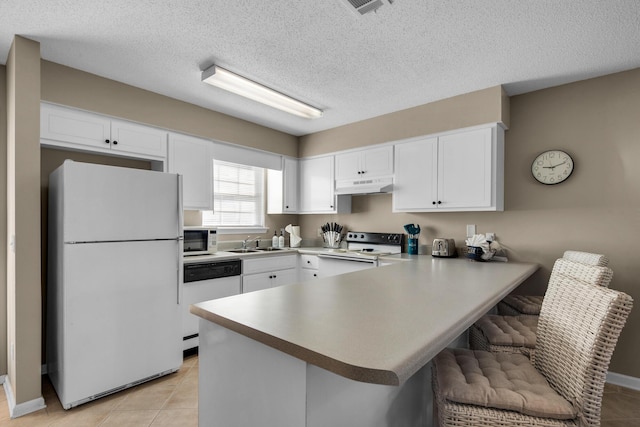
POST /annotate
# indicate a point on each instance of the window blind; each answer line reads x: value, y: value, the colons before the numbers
x: 238, y: 196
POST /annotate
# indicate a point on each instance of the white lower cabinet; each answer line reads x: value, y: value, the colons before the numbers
x: 308, y: 267
x: 268, y: 272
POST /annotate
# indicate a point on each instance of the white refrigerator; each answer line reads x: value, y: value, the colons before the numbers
x: 114, y: 279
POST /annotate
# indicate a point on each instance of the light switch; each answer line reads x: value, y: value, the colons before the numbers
x: 471, y: 230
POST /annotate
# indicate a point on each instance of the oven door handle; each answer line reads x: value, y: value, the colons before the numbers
x: 347, y: 258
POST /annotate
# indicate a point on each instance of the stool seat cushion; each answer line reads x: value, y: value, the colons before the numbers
x: 505, y: 381
x: 525, y: 304
x: 513, y: 331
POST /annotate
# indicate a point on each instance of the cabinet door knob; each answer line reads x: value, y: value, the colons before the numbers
x: 363, y: 172
x: 331, y: 206
x: 359, y: 172
x: 115, y: 142
x: 286, y: 207
x: 106, y: 141
x: 439, y: 202
x: 308, y: 262
x: 433, y: 203
x: 315, y: 275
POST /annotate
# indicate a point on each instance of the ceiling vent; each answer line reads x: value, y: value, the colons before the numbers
x: 365, y: 6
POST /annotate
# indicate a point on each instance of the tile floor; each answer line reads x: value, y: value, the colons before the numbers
x: 168, y: 401
x: 173, y: 401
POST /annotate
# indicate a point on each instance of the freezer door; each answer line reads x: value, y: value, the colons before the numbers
x: 122, y: 320
x: 107, y: 203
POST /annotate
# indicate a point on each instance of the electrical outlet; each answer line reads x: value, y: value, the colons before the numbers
x: 319, y: 232
x: 471, y: 230
x: 490, y: 237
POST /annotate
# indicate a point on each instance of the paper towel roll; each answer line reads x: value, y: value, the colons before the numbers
x: 294, y: 235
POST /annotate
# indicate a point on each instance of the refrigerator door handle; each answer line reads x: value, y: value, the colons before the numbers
x: 179, y: 269
x: 180, y: 238
x: 180, y: 208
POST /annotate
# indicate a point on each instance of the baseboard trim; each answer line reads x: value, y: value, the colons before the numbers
x: 18, y: 410
x: 623, y: 380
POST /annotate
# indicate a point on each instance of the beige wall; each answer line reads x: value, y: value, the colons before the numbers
x: 24, y: 309
x: 483, y: 106
x: 3, y: 219
x: 75, y: 88
x: 597, y: 209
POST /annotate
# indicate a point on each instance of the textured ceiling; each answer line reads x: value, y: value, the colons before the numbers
x: 409, y: 53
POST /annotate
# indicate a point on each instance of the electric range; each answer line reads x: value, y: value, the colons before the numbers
x: 366, y: 247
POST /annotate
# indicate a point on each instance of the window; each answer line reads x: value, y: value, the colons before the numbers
x: 238, y: 197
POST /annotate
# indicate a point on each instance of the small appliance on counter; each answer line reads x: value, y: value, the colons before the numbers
x: 444, y: 248
x: 200, y: 240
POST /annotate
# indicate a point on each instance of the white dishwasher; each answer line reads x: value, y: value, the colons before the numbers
x: 204, y: 281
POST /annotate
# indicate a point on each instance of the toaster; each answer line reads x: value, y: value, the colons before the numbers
x: 444, y: 248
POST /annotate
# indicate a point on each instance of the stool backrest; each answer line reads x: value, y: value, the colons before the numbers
x: 578, y: 329
x: 589, y: 274
x: 586, y: 258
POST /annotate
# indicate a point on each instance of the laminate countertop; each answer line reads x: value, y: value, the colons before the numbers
x: 379, y: 325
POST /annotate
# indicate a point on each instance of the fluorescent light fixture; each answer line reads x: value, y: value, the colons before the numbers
x: 239, y: 85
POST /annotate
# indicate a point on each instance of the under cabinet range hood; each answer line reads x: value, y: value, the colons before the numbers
x: 364, y: 186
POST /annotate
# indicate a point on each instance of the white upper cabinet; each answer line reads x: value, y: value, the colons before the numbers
x: 193, y: 159
x: 74, y: 129
x: 459, y: 171
x: 415, y: 184
x: 282, y: 188
x: 131, y: 137
x: 368, y: 163
x: 317, y: 187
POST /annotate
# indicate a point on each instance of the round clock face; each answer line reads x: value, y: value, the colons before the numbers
x: 552, y: 167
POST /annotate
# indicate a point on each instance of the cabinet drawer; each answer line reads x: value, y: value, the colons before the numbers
x: 270, y: 263
x: 308, y: 274
x: 309, y: 261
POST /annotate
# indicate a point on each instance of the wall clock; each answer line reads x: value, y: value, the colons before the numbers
x: 552, y: 167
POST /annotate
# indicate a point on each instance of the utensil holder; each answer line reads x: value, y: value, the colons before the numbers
x: 412, y: 248
x: 332, y: 239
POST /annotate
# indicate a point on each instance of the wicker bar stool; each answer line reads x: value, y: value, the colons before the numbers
x: 516, y: 305
x: 517, y: 334
x: 577, y: 332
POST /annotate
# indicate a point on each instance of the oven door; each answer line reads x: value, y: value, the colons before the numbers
x: 334, y: 264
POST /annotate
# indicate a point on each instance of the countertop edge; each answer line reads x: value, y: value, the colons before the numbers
x: 353, y: 372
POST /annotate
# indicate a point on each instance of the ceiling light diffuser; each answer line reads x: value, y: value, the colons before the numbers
x: 239, y: 85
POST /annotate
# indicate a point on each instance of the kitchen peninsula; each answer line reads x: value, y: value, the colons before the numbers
x: 352, y: 349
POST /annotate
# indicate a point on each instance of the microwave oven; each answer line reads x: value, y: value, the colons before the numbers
x: 200, y: 241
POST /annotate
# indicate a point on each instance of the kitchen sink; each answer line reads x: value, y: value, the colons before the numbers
x: 242, y: 251
x: 270, y: 248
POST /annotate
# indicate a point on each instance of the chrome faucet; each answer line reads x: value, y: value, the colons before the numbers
x: 247, y: 240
